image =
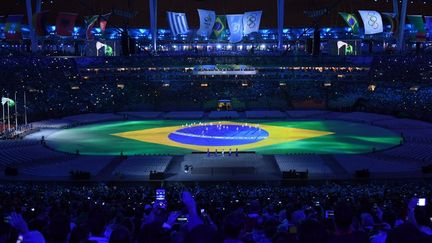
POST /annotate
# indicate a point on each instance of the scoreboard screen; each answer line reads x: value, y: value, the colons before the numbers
x: 345, y: 47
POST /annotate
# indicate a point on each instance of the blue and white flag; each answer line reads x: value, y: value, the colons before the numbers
x: 372, y: 22
x: 235, y: 25
x: 178, y: 23
x: 207, y: 21
x: 251, y: 22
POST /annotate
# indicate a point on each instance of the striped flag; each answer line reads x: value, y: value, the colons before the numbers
x: 178, y: 23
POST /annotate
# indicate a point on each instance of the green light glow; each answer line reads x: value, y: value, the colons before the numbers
x: 348, y: 138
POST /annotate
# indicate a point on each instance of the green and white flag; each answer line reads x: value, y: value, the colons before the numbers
x: 7, y: 100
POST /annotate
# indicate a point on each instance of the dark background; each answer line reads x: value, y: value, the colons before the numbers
x: 294, y: 9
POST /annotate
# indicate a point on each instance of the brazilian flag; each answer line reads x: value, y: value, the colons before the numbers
x: 419, y: 26
x: 351, y: 20
x: 219, y: 27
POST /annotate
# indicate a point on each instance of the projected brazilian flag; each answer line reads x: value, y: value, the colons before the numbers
x: 183, y: 137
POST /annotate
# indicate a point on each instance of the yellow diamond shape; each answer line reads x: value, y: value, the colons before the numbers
x: 277, y: 135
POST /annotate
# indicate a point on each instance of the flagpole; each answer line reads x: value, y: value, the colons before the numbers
x: 25, y: 109
x: 8, y: 116
x: 16, y: 111
x: 4, y: 125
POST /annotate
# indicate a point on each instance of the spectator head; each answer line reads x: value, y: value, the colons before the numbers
x: 201, y: 234
x: 311, y: 231
x: 343, y: 214
x: 97, y: 221
x: 120, y: 234
x: 423, y: 215
x: 405, y: 233
x: 59, y: 227
x: 367, y: 220
x: 79, y: 234
x: 298, y: 216
x: 233, y: 225
x: 152, y: 233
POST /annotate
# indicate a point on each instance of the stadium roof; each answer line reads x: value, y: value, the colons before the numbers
x: 294, y: 9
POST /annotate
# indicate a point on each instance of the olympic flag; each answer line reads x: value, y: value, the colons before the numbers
x: 251, y: 22
x: 207, y: 21
x: 372, y: 22
x: 235, y: 25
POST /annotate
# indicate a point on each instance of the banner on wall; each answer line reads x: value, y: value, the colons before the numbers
x: 372, y: 22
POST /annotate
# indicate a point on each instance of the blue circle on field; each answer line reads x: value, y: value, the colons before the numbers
x: 219, y: 135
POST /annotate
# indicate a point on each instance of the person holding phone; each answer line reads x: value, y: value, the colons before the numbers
x: 417, y: 228
x: 17, y: 222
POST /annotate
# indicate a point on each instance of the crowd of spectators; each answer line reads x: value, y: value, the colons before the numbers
x: 58, y: 87
x: 217, y: 212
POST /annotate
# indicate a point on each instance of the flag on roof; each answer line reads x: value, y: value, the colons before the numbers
x: 393, y: 21
x: 351, y: 20
x: 220, y: 26
x: 40, y: 23
x: 65, y: 23
x: 103, y: 21
x: 178, y: 23
x: 419, y: 26
x: 13, y: 27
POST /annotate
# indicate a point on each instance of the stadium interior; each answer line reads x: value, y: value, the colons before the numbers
x: 304, y: 121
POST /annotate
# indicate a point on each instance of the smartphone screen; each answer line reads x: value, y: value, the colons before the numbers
x: 329, y: 214
x: 182, y: 219
x: 421, y: 202
x: 160, y: 198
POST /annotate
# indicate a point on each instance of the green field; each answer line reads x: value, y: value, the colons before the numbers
x: 337, y: 138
